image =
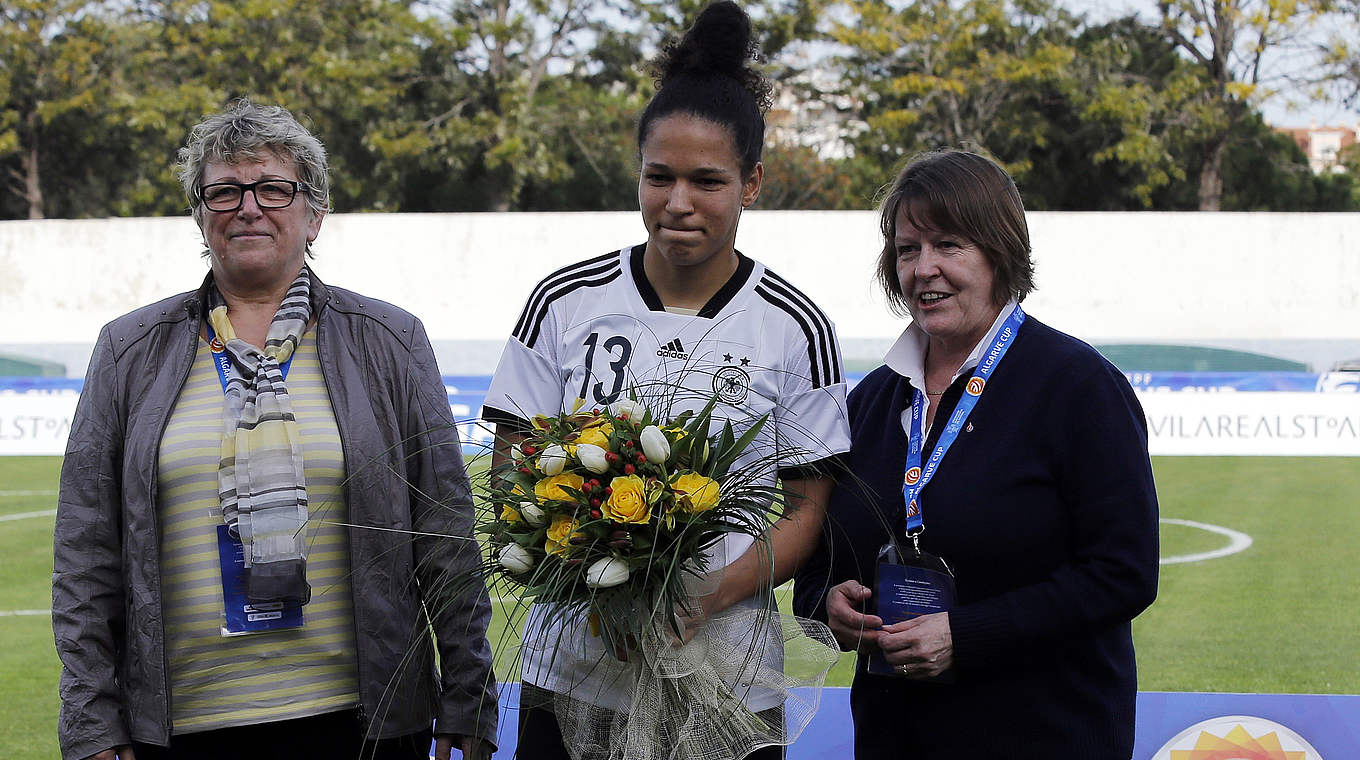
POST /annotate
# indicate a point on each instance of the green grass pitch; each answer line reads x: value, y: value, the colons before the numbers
x: 1283, y: 616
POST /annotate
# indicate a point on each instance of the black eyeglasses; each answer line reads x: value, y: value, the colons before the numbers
x: 269, y: 193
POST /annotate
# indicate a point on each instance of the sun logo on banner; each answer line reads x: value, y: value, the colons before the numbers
x: 975, y: 385
x: 913, y: 509
x: 216, y: 345
x: 1239, y: 737
x: 913, y: 475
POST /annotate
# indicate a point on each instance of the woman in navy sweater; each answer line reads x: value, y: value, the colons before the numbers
x: 1040, y: 499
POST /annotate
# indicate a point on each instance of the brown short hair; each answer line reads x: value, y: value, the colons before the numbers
x: 965, y: 194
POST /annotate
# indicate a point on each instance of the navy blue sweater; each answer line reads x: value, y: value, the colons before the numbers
x: 1046, y: 510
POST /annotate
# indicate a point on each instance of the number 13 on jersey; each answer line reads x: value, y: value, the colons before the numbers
x: 615, y: 352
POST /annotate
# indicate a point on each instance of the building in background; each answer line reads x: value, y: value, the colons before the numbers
x: 1323, y: 144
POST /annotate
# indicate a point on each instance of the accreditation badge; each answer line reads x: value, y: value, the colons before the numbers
x: 240, y: 617
x: 909, y: 584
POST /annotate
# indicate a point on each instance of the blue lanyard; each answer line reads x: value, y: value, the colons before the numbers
x: 916, y: 477
x: 222, y: 360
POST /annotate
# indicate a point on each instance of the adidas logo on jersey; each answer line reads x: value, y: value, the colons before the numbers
x: 673, y: 350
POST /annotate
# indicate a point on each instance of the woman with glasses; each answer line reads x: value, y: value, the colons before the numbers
x: 242, y: 557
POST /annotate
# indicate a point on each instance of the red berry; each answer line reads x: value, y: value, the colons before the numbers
x: 595, y: 513
x: 628, y: 443
x: 629, y: 469
x: 642, y: 459
x: 608, y: 491
x: 595, y: 502
x: 611, y: 457
x: 526, y: 471
x: 528, y: 450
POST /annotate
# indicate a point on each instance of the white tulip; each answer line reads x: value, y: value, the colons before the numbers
x: 553, y: 460
x: 607, y: 572
x: 516, y: 454
x: 592, y: 457
x: 516, y: 558
x: 655, y: 445
x: 532, y: 514
x: 628, y: 409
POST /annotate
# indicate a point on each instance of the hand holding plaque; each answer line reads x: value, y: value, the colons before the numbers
x: 854, y: 629
x: 913, y: 592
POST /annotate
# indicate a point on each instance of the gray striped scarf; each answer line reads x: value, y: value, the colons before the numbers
x: 260, y: 478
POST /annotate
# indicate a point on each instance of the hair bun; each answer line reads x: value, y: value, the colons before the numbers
x: 710, y: 74
x: 719, y: 42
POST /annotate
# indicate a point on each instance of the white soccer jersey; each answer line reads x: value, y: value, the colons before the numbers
x: 596, y: 330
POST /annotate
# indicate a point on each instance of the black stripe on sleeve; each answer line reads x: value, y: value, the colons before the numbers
x: 819, y: 345
x: 511, y: 422
x: 537, y: 305
x: 562, y: 291
x: 818, y: 377
x: 830, y: 467
x: 830, y: 356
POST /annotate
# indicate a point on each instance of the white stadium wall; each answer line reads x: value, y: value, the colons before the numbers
x: 1286, y: 285
x: 1118, y: 277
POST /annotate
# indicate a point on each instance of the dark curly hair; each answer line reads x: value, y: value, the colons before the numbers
x: 709, y: 74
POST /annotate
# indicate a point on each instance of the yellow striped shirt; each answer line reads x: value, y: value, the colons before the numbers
x: 217, y: 681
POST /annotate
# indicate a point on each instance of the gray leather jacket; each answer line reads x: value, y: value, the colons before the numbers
x: 404, y: 473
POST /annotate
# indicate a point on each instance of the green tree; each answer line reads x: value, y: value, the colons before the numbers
x: 533, y: 104
x: 495, y: 76
x: 1340, y: 53
x: 1233, y: 42
x: 796, y: 177
x: 938, y: 74
x: 1118, y: 121
x: 53, y: 63
x: 343, y: 67
x: 1265, y: 170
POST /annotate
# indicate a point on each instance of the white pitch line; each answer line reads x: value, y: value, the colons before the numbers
x: 26, y: 515
x: 29, y: 493
x: 1237, y: 541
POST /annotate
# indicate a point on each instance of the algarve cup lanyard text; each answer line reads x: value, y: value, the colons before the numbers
x: 917, y: 476
x: 222, y: 360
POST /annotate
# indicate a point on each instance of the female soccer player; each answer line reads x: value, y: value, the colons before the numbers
x: 675, y: 322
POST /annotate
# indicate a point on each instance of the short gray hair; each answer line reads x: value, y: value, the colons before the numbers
x: 244, y: 132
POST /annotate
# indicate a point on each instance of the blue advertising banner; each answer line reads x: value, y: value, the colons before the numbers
x: 1260, y: 382
x: 1193, y: 726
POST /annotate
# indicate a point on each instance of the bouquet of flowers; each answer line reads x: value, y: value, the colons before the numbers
x: 601, y: 509
x: 612, y: 516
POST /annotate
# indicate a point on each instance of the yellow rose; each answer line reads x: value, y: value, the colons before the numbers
x: 550, y: 489
x: 560, y: 533
x: 510, y: 514
x: 628, y: 502
x: 696, y: 493
x: 597, y: 433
